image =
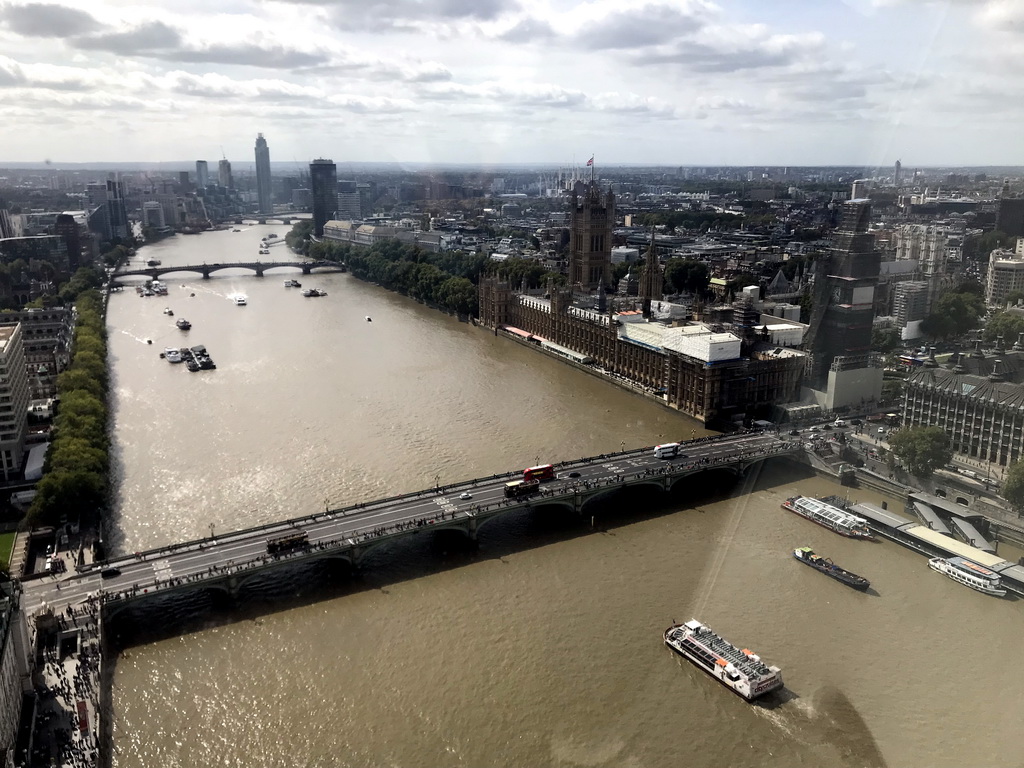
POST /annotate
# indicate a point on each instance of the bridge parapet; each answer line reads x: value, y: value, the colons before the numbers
x: 350, y: 540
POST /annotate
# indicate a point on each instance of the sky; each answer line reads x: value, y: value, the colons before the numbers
x: 668, y: 82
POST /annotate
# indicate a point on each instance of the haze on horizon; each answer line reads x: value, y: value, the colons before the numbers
x: 483, y: 82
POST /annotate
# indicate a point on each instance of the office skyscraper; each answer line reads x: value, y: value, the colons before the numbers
x: 323, y: 183
x: 263, y: 175
x: 224, y: 174
x: 202, y: 174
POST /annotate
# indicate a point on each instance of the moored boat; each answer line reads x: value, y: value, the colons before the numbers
x: 825, y: 565
x: 969, y: 573
x: 172, y: 355
x: 742, y: 671
x: 835, y: 519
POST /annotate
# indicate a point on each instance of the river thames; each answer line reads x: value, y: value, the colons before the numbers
x: 542, y: 647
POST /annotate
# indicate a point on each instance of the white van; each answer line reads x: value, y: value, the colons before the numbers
x: 839, y: 423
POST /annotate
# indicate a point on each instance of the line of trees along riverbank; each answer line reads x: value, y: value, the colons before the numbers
x: 446, y: 280
x: 75, y: 479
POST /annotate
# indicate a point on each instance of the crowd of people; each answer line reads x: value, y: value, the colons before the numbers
x: 64, y: 734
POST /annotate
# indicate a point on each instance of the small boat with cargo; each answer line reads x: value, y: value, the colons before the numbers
x: 835, y: 519
x: 742, y: 671
x: 292, y: 284
x: 825, y: 565
x: 969, y: 573
x: 183, y: 324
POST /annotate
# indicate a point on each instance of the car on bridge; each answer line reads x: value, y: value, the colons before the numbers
x: 465, y: 495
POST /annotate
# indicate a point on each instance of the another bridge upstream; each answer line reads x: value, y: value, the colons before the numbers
x: 226, y: 562
x: 206, y: 270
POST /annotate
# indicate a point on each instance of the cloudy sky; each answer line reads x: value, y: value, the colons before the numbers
x: 675, y: 82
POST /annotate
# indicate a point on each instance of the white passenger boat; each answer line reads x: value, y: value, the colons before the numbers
x: 241, y: 301
x: 839, y: 520
x: 969, y: 573
x: 740, y: 670
x: 172, y: 355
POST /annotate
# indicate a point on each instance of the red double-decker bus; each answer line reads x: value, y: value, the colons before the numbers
x: 541, y: 473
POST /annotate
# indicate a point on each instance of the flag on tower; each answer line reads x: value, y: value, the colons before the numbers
x: 590, y: 162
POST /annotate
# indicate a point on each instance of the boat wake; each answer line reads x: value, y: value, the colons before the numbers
x: 829, y: 721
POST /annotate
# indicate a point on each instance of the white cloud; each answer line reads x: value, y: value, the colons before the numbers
x: 513, y: 79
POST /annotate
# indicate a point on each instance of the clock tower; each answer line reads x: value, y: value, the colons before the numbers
x: 848, y: 278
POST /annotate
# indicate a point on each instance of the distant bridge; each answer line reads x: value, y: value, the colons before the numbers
x: 225, y: 563
x: 206, y: 270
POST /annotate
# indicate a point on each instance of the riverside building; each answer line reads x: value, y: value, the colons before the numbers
x: 977, y: 398
x: 713, y: 376
x: 13, y: 400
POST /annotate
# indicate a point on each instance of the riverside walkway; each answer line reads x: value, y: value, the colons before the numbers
x: 225, y: 562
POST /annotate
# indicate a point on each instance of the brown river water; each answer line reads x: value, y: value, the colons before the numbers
x: 541, y: 647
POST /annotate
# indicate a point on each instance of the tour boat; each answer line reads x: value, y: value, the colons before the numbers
x: 969, y: 573
x: 833, y: 518
x: 292, y: 284
x: 240, y: 301
x: 825, y: 565
x: 313, y: 293
x: 742, y: 671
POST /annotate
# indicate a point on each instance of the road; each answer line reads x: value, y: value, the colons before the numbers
x: 217, y: 556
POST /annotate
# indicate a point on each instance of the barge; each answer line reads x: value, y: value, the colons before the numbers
x: 823, y: 564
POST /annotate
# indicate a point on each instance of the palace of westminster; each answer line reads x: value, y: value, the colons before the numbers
x: 729, y: 363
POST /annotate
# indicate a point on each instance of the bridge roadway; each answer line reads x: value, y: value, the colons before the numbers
x: 206, y: 270
x: 222, y: 562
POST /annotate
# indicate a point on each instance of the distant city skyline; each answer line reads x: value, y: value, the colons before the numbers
x: 667, y: 82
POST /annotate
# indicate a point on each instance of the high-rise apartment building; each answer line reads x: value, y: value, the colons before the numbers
x: 323, y: 182
x: 349, y: 207
x: 67, y: 227
x: 263, y: 196
x: 1010, y: 216
x: 590, y: 237
x: 119, y: 226
x: 153, y: 215
x: 224, y: 177
x: 14, y: 393
x: 1005, y: 276
x: 202, y: 174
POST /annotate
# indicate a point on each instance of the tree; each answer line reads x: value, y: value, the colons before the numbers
x: 885, y: 339
x: 954, y: 314
x: 1013, y: 486
x: 922, y: 449
x: 686, y: 275
x: 1006, y: 324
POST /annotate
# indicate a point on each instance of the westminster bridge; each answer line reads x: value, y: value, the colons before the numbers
x: 225, y: 562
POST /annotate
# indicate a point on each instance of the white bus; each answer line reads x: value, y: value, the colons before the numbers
x: 666, y: 451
